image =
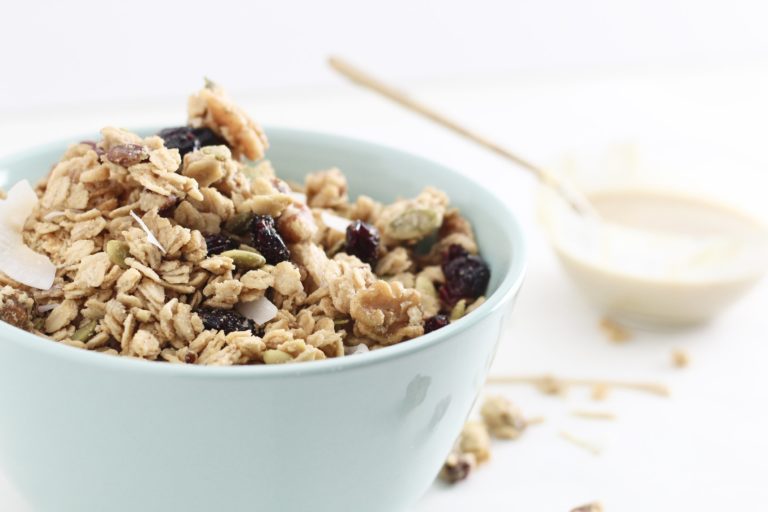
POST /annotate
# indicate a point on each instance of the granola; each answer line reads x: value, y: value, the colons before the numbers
x: 173, y: 247
x: 503, y: 419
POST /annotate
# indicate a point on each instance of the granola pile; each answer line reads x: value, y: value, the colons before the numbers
x: 186, y: 247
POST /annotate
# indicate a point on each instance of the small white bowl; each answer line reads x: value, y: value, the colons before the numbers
x: 668, y: 250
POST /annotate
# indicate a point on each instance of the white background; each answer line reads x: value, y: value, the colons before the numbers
x: 538, y: 76
x: 77, y: 51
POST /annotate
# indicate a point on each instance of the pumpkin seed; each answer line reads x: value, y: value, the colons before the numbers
x: 245, y: 260
x: 244, y: 247
x: 238, y: 224
x: 85, y: 332
x: 414, y: 224
x: 117, y: 252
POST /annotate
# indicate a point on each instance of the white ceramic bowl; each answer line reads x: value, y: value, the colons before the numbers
x: 85, y: 432
x: 670, y: 274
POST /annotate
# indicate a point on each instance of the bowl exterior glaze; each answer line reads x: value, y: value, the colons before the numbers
x: 647, y: 303
x: 82, y: 432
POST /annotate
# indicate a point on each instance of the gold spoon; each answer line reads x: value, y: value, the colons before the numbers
x: 574, y: 197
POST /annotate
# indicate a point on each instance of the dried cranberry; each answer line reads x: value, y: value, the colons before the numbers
x: 227, y: 320
x: 217, y: 244
x: 435, y: 322
x: 207, y: 137
x: 466, y: 276
x: 187, y: 139
x: 363, y: 241
x: 267, y: 240
x: 454, y: 251
x: 182, y: 138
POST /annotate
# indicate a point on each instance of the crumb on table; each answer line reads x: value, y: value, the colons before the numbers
x: 615, y: 332
x: 589, y: 507
x: 680, y: 358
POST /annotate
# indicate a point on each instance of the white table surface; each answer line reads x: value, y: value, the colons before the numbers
x: 703, y: 449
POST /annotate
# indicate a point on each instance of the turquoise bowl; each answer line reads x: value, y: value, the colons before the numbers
x: 86, y: 432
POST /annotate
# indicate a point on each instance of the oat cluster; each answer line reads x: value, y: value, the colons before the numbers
x: 162, y: 242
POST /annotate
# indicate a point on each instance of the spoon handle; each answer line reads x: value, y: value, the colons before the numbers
x: 356, y: 75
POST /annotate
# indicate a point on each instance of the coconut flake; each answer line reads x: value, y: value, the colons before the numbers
x: 150, y: 236
x: 357, y: 349
x: 335, y: 222
x: 298, y: 197
x: 18, y: 261
x: 260, y: 310
x: 19, y: 205
x: 46, y: 307
x: 53, y: 215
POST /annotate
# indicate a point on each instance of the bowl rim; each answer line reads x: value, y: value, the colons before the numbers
x: 508, y: 287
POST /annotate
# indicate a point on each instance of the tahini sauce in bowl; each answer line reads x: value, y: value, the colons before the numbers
x: 658, y: 258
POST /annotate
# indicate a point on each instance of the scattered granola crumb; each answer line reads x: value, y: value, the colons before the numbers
x: 589, y: 507
x: 680, y: 358
x: 556, y: 385
x: 504, y: 420
x: 500, y: 419
x: 593, y: 415
x: 457, y: 467
x: 614, y: 331
x: 599, y: 392
x: 581, y: 443
x: 551, y: 386
x: 474, y: 439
